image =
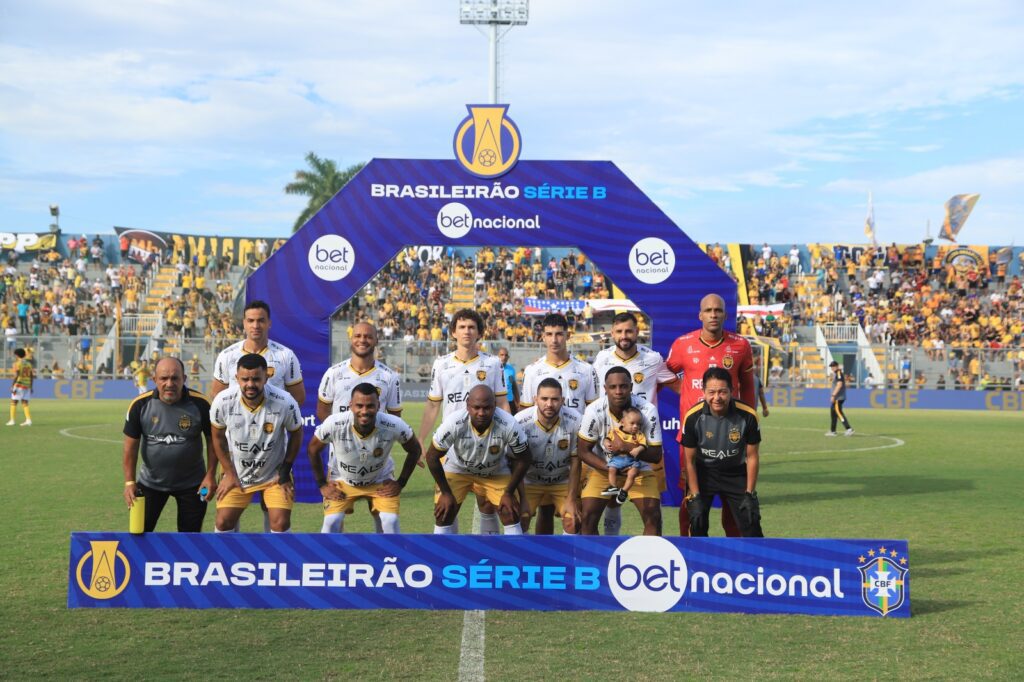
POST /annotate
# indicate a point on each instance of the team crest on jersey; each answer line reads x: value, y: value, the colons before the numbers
x: 493, y: 449
x: 481, y: 375
x: 573, y: 384
x: 563, y: 444
x: 270, y: 371
x: 709, y: 434
x: 638, y: 378
x: 727, y: 362
x: 734, y: 435
x: 378, y: 452
x: 155, y: 419
x: 883, y: 580
x: 185, y: 422
x: 268, y: 427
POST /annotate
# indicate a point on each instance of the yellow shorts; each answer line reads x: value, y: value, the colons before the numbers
x: 645, y: 486
x: 491, y: 487
x: 273, y: 496
x: 540, y: 495
x: 355, y: 492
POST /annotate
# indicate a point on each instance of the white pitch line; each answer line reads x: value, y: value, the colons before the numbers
x: 67, y: 432
x: 896, y: 442
x: 471, y: 653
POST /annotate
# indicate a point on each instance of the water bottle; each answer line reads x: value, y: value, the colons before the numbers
x: 137, y: 515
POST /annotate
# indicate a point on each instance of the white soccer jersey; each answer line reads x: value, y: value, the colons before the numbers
x: 451, y: 379
x: 479, y: 454
x: 552, y: 450
x: 257, y: 439
x: 646, y: 367
x: 598, y: 422
x: 338, y: 382
x: 578, y: 380
x: 282, y: 366
x: 359, y: 460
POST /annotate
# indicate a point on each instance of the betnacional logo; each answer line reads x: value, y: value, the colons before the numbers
x: 331, y: 257
x: 107, y: 573
x: 883, y: 580
x: 487, y: 143
x: 652, y: 260
x: 647, y: 573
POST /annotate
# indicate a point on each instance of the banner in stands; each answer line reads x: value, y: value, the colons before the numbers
x: 484, y: 197
x: 28, y: 241
x: 241, y: 250
x: 526, y: 573
x: 543, y: 306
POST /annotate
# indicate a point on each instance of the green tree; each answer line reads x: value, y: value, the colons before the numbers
x: 321, y: 182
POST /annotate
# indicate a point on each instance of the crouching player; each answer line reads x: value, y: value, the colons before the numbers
x: 477, y: 445
x: 257, y: 433
x: 720, y: 447
x: 361, y: 464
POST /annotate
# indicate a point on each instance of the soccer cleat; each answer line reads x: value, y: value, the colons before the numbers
x: 830, y: 433
x: 622, y: 497
x: 27, y: 422
x: 10, y: 423
x: 610, y: 491
x: 849, y: 432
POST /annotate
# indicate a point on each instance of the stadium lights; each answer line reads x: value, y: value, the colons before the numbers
x: 494, y: 13
x: 55, y: 212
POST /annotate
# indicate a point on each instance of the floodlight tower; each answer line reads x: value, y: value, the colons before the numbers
x: 492, y: 14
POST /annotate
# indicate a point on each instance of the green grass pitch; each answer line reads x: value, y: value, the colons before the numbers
x: 949, y: 482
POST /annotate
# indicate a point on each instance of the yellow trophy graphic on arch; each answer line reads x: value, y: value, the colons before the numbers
x: 102, y: 582
x: 494, y: 145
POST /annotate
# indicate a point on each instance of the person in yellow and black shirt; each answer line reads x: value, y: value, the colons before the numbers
x: 837, y: 398
x: 21, y: 389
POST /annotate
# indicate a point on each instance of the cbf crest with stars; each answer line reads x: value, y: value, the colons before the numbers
x: 883, y: 584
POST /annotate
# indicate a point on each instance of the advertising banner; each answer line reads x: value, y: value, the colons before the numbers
x: 28, y: 241
x: 524, y: 573
x: 143, y: 243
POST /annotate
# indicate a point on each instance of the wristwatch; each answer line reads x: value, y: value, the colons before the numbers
x: 691, y: 497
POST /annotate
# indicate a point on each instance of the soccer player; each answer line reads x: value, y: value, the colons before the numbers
x: 836, y: 400
x: 649, y: 374
x: 550, y: 430
x: 477, y: 444
x: 169, y: 426
x: 691, y: 355
x: 599, y: 421
x: 336, y: 390
x: 361, y: 439
x: 21, y: 388
x: 720, y: 448
x: 451, y: 379
x: 510, y: 380
x: 257, y: 433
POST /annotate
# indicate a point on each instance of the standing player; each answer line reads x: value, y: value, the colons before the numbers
x: 336, y: 391
x: 257, y: 433
x: 477, y: 444
x: 836, y: 400
x: 720, y: 446
x: 283, y: 369
x: 599, y: 421
x: 691, y: 355
x: 452, y: 377
x: 649, y: 374
x: 550, y: 430
x: 21, y: 389
x: 361, y: 439
x: 169, y: 426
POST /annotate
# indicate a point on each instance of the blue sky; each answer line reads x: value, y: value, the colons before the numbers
x: 744, y: 121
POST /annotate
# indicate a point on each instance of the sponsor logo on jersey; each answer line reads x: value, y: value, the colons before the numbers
x: 563, y: 444
x: 185, y: 422
x: 487, y: 143
x: 734, y: 435
x: 883, y: 580
x: 727, y: 362
x: 107, y: 574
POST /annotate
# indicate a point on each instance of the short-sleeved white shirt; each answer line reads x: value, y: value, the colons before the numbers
x: 257, y: 439
x: 339, y: 380
x: 646, y: 368
x: 359, y: 460
x: 552, y: 449
x: 598, y: 422
x: 451, y: 379
x: 282, y: 366
x: 578, y: 380
x: 480, y: 454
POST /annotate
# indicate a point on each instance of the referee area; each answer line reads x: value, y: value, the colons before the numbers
x: 946, y: 481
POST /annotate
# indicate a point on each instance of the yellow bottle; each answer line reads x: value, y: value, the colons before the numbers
x: 137, y: 515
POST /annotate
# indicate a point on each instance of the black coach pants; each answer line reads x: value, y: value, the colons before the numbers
x: 730, y: 487
x: 838, y: 415
x: 191, y: 509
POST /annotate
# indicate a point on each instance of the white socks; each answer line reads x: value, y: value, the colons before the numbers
x: 333, y: 523
x: 388, y: 523
x: 218, y: 530
x: 612, y: 520
x: 445, y: 530
x: 489, y: 524
x: 514, y: 529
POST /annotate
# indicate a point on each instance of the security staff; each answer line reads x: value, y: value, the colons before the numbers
x: 720, y: 447
x: 168, y: 425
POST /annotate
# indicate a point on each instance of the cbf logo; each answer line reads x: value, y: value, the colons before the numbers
x: 487, y: 144
x: 647, y: 573
x: 883, y: 580
x: 107, y: 574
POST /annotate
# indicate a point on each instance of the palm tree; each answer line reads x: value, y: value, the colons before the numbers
x: 320, y: 183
